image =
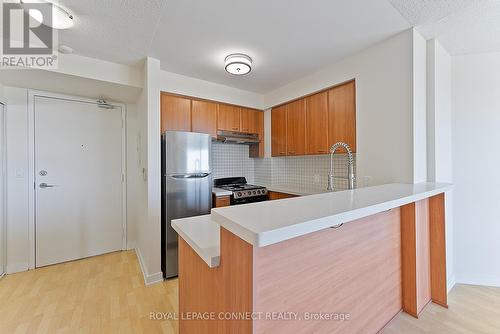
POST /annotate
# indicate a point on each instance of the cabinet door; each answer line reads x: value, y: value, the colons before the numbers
x: 248, y: 120
x: 278, y: 131
x: 204, y: 117
x: 317, y: 123
x: 342, y: 114
x: 175, y: 113
x: 257, y: 151
x: 228, y: 118
x: 296, y: 127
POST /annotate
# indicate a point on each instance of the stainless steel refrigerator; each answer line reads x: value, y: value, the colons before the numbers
x: 186, y: 187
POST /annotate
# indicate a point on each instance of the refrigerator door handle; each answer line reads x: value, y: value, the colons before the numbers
x: 191, y: 176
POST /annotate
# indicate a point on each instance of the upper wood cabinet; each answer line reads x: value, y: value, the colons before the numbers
x: 311, y: 125
x: 204, y: 117
x: 317, y: 123
x: 342, y: 115
x: 248, y: 120
x: 257, y: 151
x: 228, y: 118
x: 179, y: 113
x: 278, y: 131
x: 175, y: 113
x: 296, y: 127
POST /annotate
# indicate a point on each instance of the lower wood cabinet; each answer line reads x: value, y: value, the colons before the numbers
x: 274, y: 195
x: 221, y: 201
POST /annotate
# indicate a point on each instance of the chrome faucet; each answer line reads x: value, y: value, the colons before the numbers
x: 350, y: 165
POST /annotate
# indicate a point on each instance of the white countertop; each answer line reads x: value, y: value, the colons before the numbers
x: 202, y: 234
x: 266, y: 223
x: 218, y: 192
x: 285, y: 189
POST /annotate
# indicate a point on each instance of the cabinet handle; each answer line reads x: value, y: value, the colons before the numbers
x: 321, y: 151
x: 235, y: 128
x: 291, y: 152
x: 282, y: 153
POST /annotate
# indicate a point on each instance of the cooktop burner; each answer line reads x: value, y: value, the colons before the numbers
x: 242, y: 191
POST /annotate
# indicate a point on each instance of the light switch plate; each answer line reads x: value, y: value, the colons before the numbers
x: 19, y: 173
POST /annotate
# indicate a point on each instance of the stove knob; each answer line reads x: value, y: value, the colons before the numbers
x: 258, y: 192
x: 254, y: 192
x: 238, y: 194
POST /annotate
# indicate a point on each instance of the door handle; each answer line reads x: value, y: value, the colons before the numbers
x: 191, y: 176
x: 45, y: 185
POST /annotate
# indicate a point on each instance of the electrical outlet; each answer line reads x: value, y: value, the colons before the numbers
x: 316, y: 179
x: 367, y: 180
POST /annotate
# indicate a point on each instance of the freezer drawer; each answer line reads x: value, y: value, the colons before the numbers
x: 187, y: 195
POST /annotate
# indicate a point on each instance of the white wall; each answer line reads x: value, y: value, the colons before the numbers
x: 476, y: 138
x: 419, y: 108
x: 180, y: 84
x: 149, y: 192
x: 18, y: 242
x: 384, y: 88
x: 17, y: 179
x: 439, y: 158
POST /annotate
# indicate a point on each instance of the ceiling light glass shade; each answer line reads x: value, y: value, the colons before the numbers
x: 61, y: 19
x: 238, y: 64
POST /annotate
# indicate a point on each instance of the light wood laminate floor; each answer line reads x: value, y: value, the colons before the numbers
x: 106, y: 294
x: 102, y: 294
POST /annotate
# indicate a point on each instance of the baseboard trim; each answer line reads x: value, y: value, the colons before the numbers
x: 451, y: 283
x: 148, y: 279
x: 16, y: 268
x: 493, y: 282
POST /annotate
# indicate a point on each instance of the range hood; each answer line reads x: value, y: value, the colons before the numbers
x: 237, y: 137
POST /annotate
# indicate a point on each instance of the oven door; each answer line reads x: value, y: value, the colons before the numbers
x: 248, y: 199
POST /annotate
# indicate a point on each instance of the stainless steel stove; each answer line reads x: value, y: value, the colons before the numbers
x: 242, y: 191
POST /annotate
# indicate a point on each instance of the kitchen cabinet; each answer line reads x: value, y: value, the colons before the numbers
x: 182, y: 113
x: 274, y: 195
x: 311, y: 125
x: 317, y: 123
x: 228, y: 118
x: 342, y: 115
x: 248, y: 120
x: 221, y: 201
x: 204, y: 117
x: 257, y: 151
x: 278, y: 131
x: 296, y: 127
x: 175, y: 113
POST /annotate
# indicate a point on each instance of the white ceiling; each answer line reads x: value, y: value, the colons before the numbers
x: 287, y: 39
x: 462, y: 26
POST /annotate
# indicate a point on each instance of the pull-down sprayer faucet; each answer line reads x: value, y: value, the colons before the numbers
x: 350, y: 166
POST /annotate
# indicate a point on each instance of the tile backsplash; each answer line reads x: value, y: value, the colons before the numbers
x: 230, y: 160
x: 302, y: 172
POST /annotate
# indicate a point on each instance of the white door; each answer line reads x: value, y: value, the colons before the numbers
x: 78, y: 166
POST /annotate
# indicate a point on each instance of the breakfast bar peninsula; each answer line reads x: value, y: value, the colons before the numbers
x: 339, y: 262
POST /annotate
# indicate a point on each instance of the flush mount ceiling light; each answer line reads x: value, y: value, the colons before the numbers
x: 238, y: 64
x: 61, y: 19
